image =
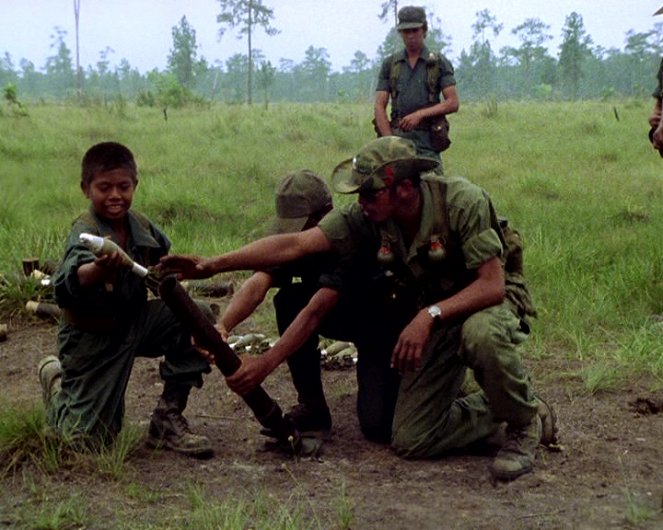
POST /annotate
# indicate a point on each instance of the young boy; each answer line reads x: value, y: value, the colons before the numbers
x: 108, y: 321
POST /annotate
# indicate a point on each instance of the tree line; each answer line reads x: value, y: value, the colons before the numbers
x: 579, y: 70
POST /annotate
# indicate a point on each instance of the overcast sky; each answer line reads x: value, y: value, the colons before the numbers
x: 140, y: 30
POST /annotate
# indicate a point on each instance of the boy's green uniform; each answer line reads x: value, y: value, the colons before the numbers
x: 429, y: 418
x: 105, y: 327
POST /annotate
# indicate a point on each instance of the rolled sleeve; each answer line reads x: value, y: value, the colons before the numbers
x: 481, y: 248
x: 446, y: 73
x: 473, y: 218
x: 344, y: 228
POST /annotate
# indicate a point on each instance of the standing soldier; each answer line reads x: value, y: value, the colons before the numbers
x: 414, y: 79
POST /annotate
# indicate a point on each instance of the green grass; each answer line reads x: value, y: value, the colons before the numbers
x: 56, y: 480
x: 584, y: 189
x: 27, y: 443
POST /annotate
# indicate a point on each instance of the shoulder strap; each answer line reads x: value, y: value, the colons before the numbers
x: 434, y: 72
x: 440, y: 210
x: 394, y: 74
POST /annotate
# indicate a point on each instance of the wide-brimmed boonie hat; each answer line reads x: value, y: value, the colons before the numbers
x: 388, y: 156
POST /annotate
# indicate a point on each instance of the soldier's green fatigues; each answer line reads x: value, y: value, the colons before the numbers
x: 105, y: 327
x: 412, y: 94
x: 429, y: 418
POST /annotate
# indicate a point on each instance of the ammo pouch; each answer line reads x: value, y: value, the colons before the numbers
x: 439, y: 133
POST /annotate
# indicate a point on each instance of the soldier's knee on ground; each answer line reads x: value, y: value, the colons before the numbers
x: 408, y: 444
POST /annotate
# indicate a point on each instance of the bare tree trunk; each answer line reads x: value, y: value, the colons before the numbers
x: 250, y: 76
x: 77, y: 10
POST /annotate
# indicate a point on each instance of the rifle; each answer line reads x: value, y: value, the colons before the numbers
x: 266, y: 410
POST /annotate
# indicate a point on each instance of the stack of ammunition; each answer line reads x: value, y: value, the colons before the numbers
x: 250, y: 343
x: 338, y: 355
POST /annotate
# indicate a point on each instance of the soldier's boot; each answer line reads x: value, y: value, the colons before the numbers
x: 311, y: 420
x: 548, y: 422
x: 50, y: 377
x: 549, y: 428
x: 517, y: 454
x: 170, y: 430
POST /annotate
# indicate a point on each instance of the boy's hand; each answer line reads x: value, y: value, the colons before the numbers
x: 204, y: 353
x: 109, y: 265
x: 113, y: 261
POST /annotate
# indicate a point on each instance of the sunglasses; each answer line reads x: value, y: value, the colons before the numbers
x: 371, y: 194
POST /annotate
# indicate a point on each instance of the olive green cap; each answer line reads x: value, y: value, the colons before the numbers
x: 411, y: 17
x: 299, y: 195
x: 388, y: 156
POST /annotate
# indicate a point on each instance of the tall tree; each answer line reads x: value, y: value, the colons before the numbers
x: 485, y: 21
x: 389, y: 5
x: 638, y: 51
x: 316, y: 68
x: 236, y: 68
x: 246, y: 14
x: 532, y: 36
x: 59, y: 67
x: 182, y: 57
x: 79, y: 83
x: 265, y: 78
x: 531, y: 57
x: 575, y: 48
x: 436, y: 39
x: 358, y: 78
x: 477, y: 67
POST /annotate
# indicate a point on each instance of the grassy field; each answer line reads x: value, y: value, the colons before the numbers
x: 579, y: 180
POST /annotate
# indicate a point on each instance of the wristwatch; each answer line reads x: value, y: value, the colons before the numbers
x: 434, y: 311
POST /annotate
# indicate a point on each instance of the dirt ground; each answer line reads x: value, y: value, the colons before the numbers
x: 609, y: 473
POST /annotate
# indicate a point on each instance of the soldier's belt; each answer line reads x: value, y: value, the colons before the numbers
x: 424, y: 125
